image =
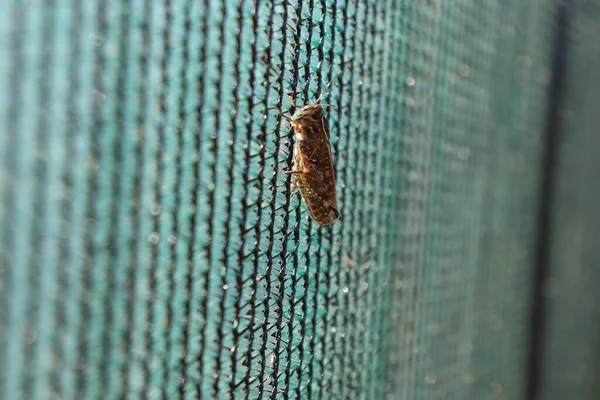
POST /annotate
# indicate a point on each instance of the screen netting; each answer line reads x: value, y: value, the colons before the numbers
x: 150, y: 246
x: 571, y: 362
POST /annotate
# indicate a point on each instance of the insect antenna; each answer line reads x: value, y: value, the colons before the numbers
x: 293, y: 102
x: 280, y: 112
x: 283, y: 115
x: 323, y: 93
x: 329, y: 105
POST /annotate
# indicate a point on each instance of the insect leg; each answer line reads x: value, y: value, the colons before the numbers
x: 293, y: 172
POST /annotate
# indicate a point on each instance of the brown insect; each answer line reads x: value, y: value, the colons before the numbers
x: 313, y: 164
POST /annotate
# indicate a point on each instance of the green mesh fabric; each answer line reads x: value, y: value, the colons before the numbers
x: 150, y: 246
x: 572, y: 341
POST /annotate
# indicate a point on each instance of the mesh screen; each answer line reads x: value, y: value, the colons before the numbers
x: 572, y: 347
x: 150, y: 246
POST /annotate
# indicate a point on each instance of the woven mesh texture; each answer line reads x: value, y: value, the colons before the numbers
x: 572, y: 346
x: 150, y: 246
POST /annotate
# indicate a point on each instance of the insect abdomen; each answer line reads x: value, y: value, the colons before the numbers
x: 318, y: 209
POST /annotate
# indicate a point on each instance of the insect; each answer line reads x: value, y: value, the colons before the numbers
x: 313, y: 165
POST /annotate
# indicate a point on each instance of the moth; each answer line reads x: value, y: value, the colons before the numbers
x: 313, y: 170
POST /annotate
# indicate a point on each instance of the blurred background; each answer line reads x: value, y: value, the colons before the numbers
x: 150, y: 246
